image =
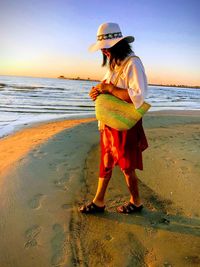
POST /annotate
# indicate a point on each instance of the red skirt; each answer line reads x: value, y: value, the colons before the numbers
x: 123, y: 148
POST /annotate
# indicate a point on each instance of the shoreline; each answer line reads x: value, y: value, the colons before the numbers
x: 25, y: 125
x: 31, y: 136
x: 21, y: 127
x: 53, y: 170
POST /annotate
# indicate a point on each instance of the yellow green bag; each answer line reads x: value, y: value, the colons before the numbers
x: 117, y: 113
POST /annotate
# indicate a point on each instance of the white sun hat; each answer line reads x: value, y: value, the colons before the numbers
x: 108, y: 35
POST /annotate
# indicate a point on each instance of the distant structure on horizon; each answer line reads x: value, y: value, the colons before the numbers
x: 174, y: 85
x: 151, y: 84
x: 77, y: 79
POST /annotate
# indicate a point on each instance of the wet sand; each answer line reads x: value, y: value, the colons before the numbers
x: 40, y: 192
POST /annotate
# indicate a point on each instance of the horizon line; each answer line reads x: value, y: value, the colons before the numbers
x: 93, y: 79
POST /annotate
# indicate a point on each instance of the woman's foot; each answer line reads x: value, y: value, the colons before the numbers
x: 129, y: 208
x: 91, y: 208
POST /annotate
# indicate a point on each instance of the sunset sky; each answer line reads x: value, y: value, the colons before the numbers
x: 51, y: 38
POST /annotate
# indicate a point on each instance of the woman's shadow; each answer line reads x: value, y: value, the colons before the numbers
x: 156, y: 214
x: 156, y: 220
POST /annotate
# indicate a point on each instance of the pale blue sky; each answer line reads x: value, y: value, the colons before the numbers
x: 50, y: 38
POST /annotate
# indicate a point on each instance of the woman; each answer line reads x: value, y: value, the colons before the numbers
x: 123, y: 148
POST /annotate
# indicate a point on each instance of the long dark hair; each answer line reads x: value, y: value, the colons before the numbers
x: 118, y: 52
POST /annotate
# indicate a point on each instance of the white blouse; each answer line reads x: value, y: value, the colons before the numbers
x: 132, y: 78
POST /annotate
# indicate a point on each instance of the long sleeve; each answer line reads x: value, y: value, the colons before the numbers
x: 136, y: 81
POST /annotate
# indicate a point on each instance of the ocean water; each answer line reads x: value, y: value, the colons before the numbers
x: 25, y: 100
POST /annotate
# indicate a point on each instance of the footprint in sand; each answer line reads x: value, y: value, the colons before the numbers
x: 154, y: 201
x: 184, y: 168
x: 31, y: 235
x: 168, y: 162
x: 197, y: 165
x: 61, y: 167
x: 136, y: 251
x: 39, y: 154
x: 108, y: 237
x: 62, y: 183
x: 193, y: 259
x: 167, y: 264
x: 59, y: 245
x: 35, y: 202
x: 66, y: 206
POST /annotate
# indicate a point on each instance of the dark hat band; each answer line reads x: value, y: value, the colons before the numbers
x: 109, y: 36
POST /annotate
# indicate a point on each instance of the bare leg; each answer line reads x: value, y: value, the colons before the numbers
x: 132, y: 183
x: 101, y: 190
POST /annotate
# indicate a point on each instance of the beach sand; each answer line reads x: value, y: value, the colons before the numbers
x: 54, y: 169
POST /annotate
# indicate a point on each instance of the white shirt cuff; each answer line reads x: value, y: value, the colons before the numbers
x: 136, y: 98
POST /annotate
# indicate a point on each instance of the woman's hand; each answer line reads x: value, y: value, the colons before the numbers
x: 104, y: 88
x: 94, y: 93
x: 101, y: 88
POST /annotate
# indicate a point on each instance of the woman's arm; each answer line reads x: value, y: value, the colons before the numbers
x: 110, y: 89
x: 137, y: 85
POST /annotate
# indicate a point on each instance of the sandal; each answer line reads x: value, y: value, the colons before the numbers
x: 129, y: 208
x: 91, y: 208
